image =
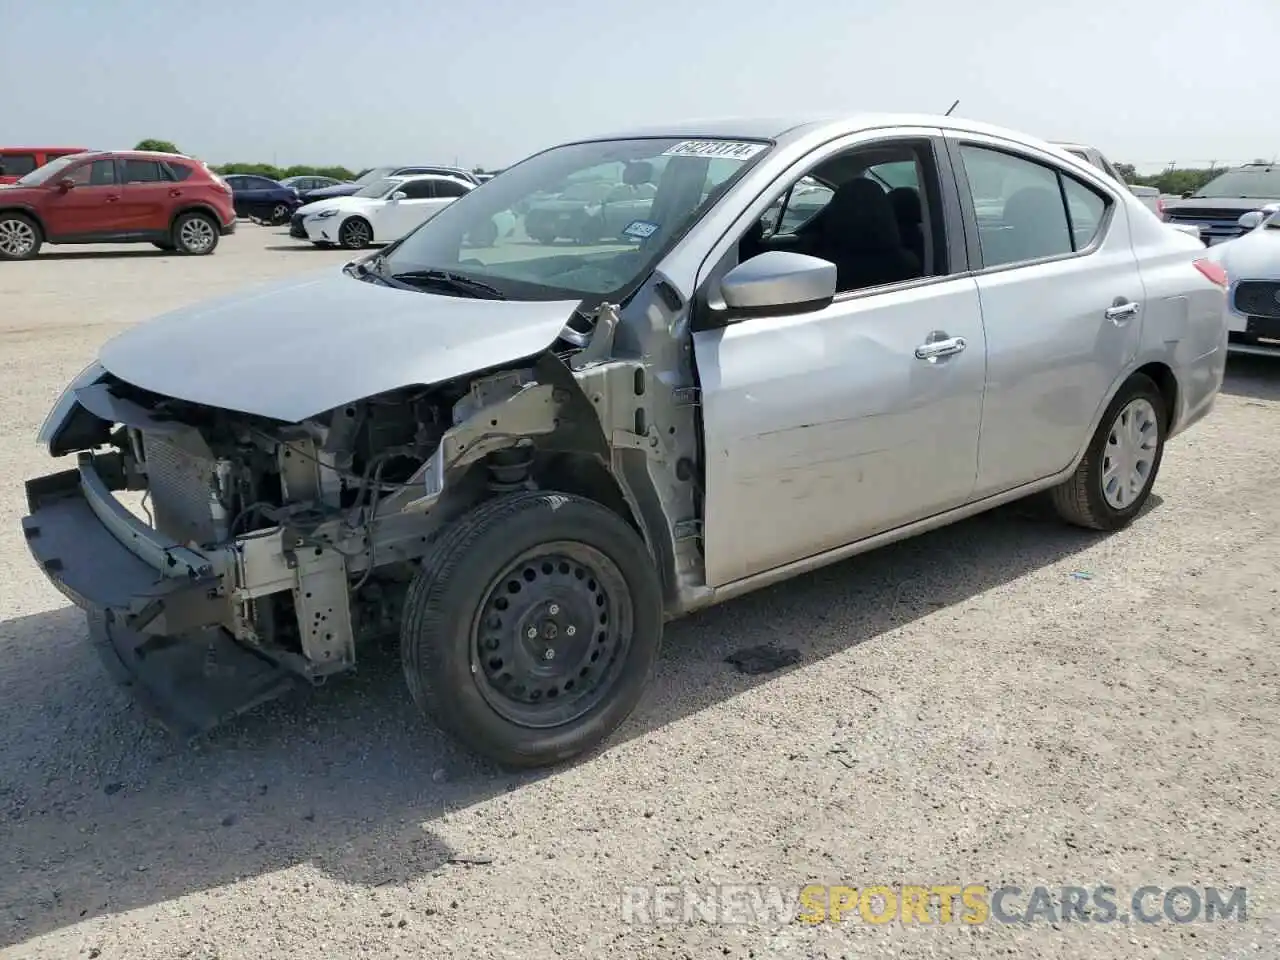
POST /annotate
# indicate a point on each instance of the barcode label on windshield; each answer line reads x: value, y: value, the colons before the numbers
x: 715, y: 149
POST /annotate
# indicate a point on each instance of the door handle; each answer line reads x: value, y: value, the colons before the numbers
x: 175, y: 193
x: 940, y: 348
x: 113, y: 199
x: 1122, y: 312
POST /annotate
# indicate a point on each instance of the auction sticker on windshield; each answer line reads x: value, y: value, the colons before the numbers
x: 640, y: 229
x: 725, y: 149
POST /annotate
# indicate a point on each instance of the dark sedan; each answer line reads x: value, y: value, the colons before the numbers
x: 308, y: 183
x: 262, y: 198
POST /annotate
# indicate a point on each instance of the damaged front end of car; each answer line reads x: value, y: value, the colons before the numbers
x: 260, y: 553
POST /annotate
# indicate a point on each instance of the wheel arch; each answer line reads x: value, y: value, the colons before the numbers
x: 1158, y: 372
x: 28, y: 212
x: 195, y: 208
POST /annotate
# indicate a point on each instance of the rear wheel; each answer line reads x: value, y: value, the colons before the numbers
x: 195, y: 234
x: 1114, y: 480
x: 355, y: 233
x: 532, y: 628
x: 279, y: 213
x: 20, y: 237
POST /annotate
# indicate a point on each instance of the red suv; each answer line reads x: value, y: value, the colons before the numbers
x: 171, y: 201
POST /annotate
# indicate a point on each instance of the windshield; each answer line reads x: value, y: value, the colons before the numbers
x: 582, y: 220
x: 377, y: 188
x: 40, y: 174
x: 1259, y: 182
x: 377, y: 173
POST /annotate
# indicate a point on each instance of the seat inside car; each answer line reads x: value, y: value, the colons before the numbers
x: 858, y: 232
x: 910, y: 215
x: 1035, y: 225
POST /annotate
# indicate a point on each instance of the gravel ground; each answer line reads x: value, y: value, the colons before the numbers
x: 1004, y: 702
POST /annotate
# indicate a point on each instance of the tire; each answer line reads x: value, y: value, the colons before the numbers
x: 1092, y: 500
x: 549, y: 547
x: 195, y: 234
x: 355, y: 233
x: 279, y: 214
x: 20, y: 237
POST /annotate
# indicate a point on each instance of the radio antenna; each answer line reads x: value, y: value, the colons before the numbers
x: 950, y: 108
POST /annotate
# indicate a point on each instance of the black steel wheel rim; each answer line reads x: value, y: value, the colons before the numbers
x: 551, y: 636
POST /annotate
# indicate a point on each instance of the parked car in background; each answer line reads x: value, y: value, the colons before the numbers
x: 593, y: 210
x: 1252, y: 263
x: 17, y: 162
x: 307, y: 183
x: 169, y: 200
x: 381, y: 173
x: 527, y: 459
x: 382, y: 211
x: 261, y: 198
x: 1216, y: 208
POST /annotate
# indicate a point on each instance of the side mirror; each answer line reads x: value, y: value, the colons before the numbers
x: 1251, y: 220
x: 65, y: 184
x: 778, y: 282
x: 398, y: 195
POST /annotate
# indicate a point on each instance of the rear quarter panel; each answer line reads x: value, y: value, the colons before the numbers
x: 1183, y: 323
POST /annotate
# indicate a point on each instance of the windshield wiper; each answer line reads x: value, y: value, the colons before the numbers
x: 453, y: 281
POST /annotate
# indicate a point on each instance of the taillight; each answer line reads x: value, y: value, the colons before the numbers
x: 1160, y: 207
x: 1211, y: 270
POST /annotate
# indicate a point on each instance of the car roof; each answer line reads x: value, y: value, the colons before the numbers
x: 7, y: 149
x: 430, y: 176
x: 786, y: 129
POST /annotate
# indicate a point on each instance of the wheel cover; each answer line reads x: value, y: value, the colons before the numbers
x: 1129, y: 456
x: 196, y: 235
x: 355, y: 233
x: 280, y: 212
x: 552, y: 634
x: 16, y: 238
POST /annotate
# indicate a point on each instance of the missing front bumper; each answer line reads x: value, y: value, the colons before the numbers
x: 154, y: 607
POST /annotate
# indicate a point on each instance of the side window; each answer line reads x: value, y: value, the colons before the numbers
x: 417, y: 190
x: 143, y: 171
x: 895, y: 174
x: 100, y: 173
x: 259, y: 183
x: 1019, y: 207
x: 806, y: 199
x: 449, y: 188
x: 1086, y: 209
x: 177, y: 171
x: 17, y: 164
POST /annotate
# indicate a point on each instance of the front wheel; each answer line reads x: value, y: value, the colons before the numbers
x: 1114, y: 480
x: 532, y: 627
x: 279, y: 213
x: 195, y: 234
x: 355, y: 233
x: 20, y: 237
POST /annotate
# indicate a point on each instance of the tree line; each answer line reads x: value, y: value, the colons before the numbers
x: 266, y: 169
x: 1176, y: 180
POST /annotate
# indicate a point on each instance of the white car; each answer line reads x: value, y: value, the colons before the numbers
x: 1252, y: 265
x: 383, y: 211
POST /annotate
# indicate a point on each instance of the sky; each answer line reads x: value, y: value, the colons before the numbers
x: 487, y: 82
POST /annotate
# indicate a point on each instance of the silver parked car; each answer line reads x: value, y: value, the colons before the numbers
x: 523, y: 459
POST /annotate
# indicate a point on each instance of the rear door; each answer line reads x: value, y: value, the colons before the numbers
x: 149, y: 196
x: 1062, y: 300
x: 91, y: 208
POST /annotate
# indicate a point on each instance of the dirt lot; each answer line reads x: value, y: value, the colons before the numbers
x: 1003, y: 702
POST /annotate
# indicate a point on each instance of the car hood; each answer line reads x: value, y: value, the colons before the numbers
x: 1237, y: 205
x: 336, y: 203
x: 342, y: 190
x: 291, y: 350
x: 1253, y: 256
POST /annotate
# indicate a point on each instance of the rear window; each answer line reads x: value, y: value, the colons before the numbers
x: 179, y: 171
x: 17, y: 164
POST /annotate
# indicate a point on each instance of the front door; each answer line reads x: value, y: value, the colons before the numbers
x: 418, y: 205
x: 91, y: 208
x: 824, y: 428
x: 1062, y: 302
